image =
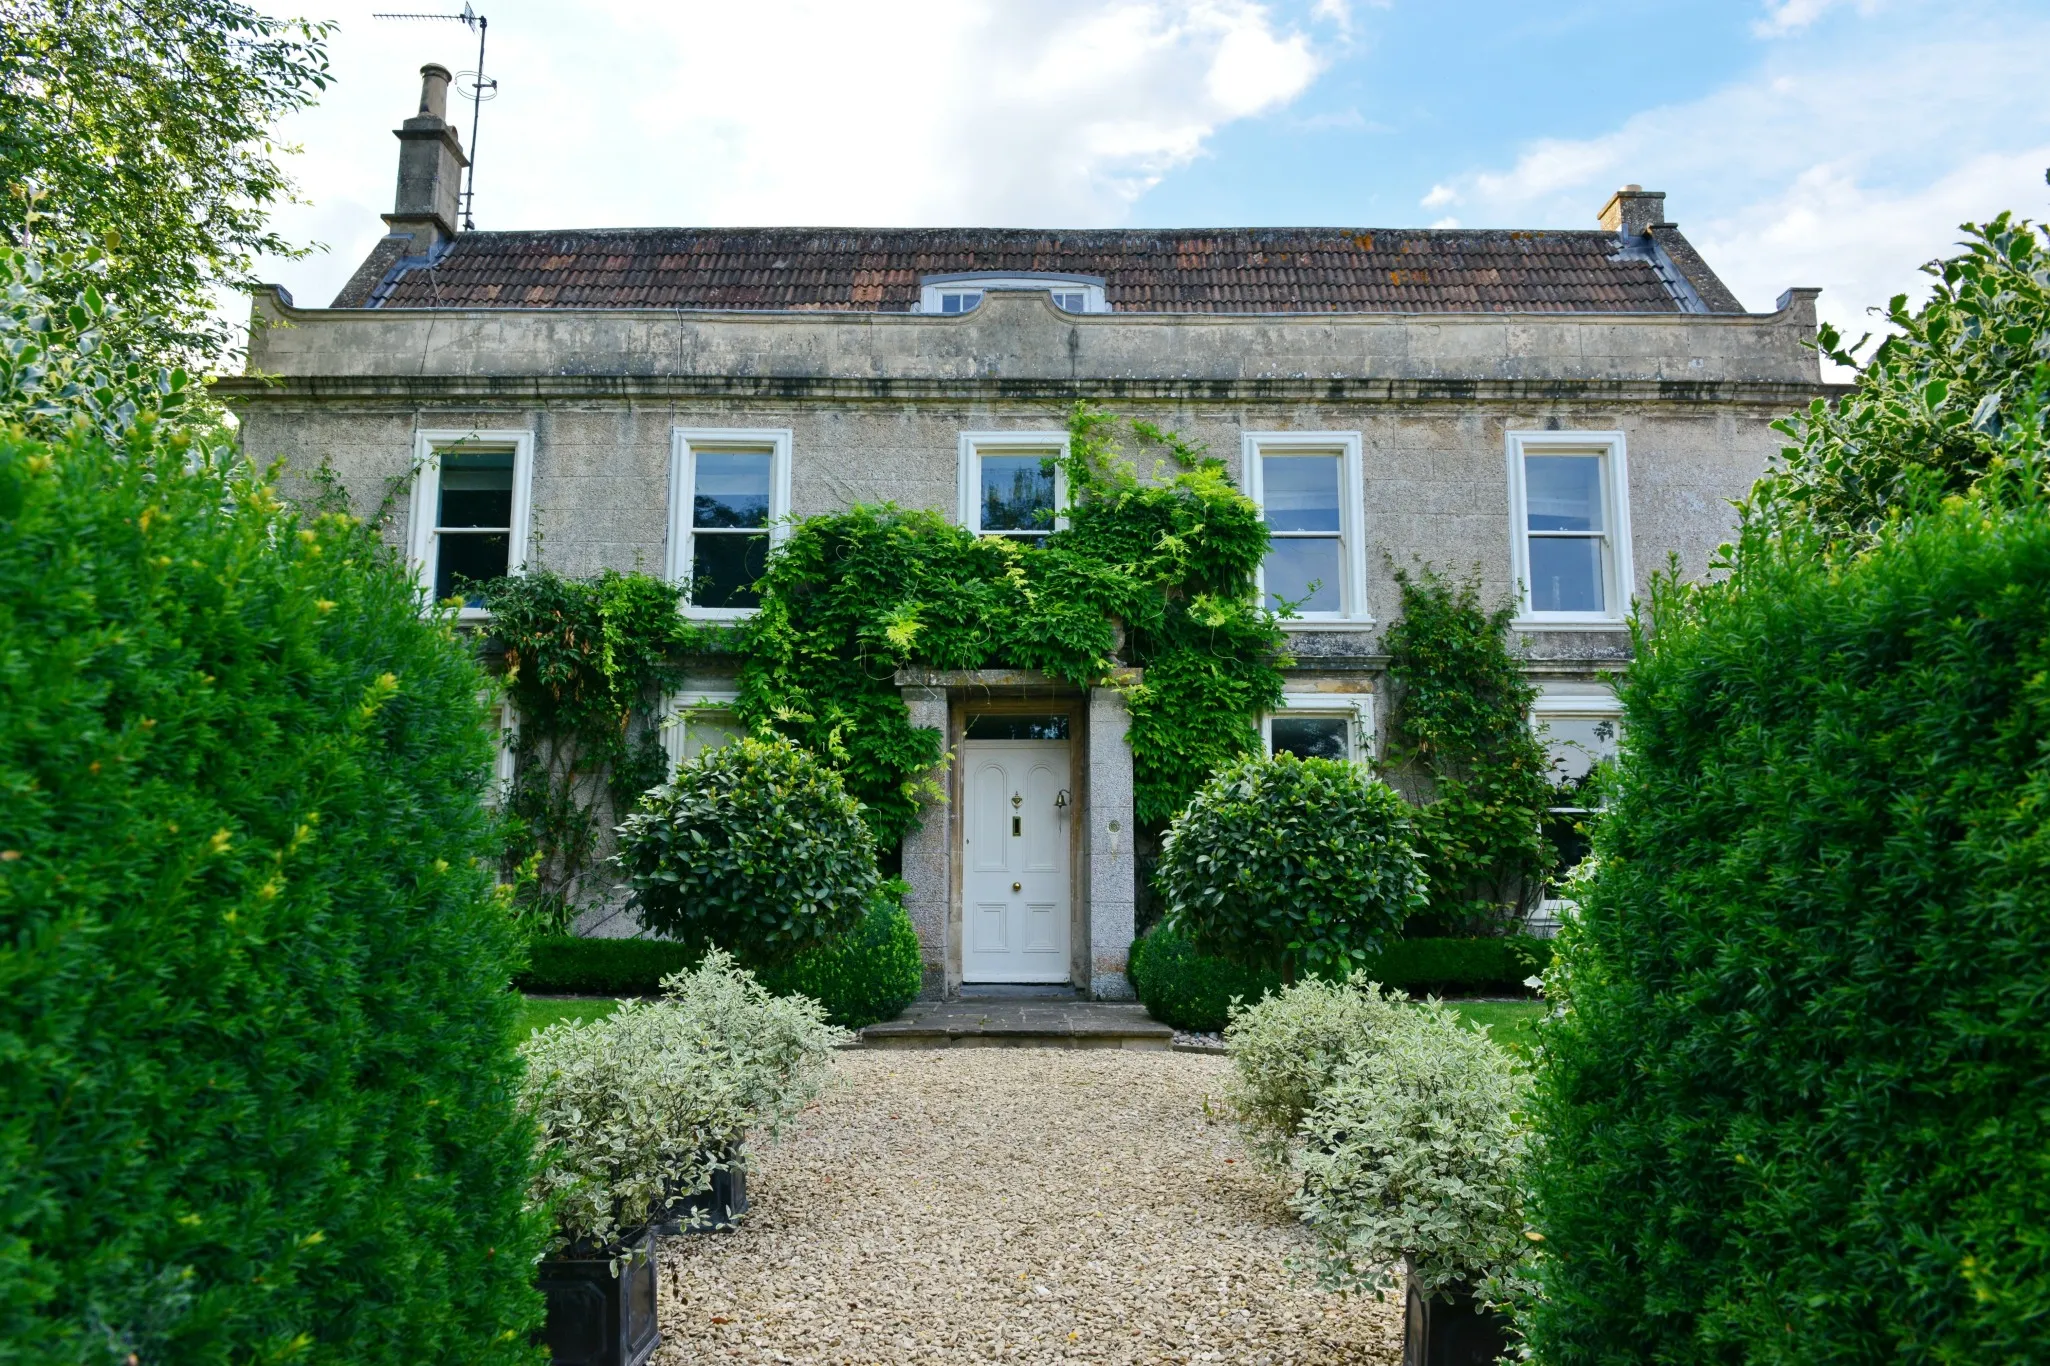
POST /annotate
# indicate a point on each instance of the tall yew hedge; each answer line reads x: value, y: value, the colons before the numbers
x: 256, y: 1068
x: 1799, y: 1110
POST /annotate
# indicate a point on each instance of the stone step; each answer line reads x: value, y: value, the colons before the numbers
x: 1020, y: 1023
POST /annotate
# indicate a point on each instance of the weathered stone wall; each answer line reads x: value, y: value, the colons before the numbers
x: 1020, y: 337
x: 1435, y: 474
x: 876, y: 405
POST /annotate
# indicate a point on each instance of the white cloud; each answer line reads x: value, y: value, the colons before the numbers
x: 1447, y: 222
x: 1439, y: 197
x: 1783, y: 17
x: 1863, y: 244
x: 1837, y: 167
x: 916, y: 112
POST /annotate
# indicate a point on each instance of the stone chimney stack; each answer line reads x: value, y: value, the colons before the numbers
x: 431, y: 163
x: 1632, y: 210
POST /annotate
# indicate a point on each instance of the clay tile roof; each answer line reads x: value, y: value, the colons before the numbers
x: 1223, y: 270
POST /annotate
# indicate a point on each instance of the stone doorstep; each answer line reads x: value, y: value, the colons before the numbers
x: 1021, y: 1024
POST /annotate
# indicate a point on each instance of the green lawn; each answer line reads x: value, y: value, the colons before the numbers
x: 1509, y: 1022
x: 537, y: 1012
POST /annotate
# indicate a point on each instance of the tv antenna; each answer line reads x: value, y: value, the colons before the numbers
x: 479, y: 90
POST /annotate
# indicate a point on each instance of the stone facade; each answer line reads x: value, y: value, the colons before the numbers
x: 875, y: 404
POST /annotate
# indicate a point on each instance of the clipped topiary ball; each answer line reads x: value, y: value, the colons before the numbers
x: 756, y: 848
x: 1302, y: 864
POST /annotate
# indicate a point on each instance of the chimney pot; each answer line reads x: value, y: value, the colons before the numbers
x: 1632, y: 210
x: 434, y: 81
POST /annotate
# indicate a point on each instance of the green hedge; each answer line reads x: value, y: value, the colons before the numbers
x: 1193, y: 991
x: 571, y: 966
x: 869, y: 974
x: 256, y: 1066
x: 1186, y: 989
x: 1797, y: 1111
x: 1495, y: 967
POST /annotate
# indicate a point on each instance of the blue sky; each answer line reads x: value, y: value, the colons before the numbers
x: 1812, y: 142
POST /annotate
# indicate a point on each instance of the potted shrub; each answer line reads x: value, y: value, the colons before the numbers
x: 1285, y: 1049
x: 1411, y: 1157
x: 607, y: 1106
x: 717, y: 1208
x: 774, y: 1052
x: 637, y: 1112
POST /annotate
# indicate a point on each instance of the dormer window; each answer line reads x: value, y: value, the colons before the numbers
x: 961, y: 293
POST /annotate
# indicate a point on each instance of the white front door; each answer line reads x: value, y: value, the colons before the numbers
x: 1014, y: 846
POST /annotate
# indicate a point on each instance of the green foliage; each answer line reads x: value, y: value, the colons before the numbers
x: 1794, y: 1112
x: 1185, y: 545
x: 1500, y: 964
x: 1460, y: 735
x: 586, y: 663
x: 852, y: 597
x: 1286, y: 1047
x: 1412, y: 1151
x: 1303, y: 865
x: 1194, y: 991
x: 637, y: 1107
x: 1942, y: 403
x: 1187, y: 989
x: 575, y: 966
x: 59, y: 365
x: 255, y: 1041
x: 143, y: 128
x: 868, y: 974
x: 756, y: 847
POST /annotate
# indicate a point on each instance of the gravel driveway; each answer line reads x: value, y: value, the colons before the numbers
x: 1017, y: 1205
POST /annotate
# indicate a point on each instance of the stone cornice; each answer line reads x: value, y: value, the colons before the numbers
x: 526, y: 389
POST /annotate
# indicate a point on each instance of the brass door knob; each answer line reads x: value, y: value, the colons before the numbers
x: 1017, y: 886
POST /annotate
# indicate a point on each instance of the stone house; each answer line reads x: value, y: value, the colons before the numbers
x: 1565, y: 408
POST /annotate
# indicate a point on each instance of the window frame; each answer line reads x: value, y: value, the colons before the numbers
x: 1607, y: 707
x: 1358, y: 706
x: 931, y: 287
x: 504, y: 721
x: 1353, y: 611
x: 1618, y: 576
x: 423, y: 508
x: 968, y: 477
x: 673, y: 731
x: 685, y: 444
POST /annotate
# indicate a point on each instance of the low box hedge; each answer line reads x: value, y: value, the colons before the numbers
x: 1193, y: 991
x: 1497, y: 966
x: 567, y: 965
x: 867, y: 975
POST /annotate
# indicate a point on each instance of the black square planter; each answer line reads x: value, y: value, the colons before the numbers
x: 714, y: 1210
x: 1450, y: 1328
x: 596, y: 1318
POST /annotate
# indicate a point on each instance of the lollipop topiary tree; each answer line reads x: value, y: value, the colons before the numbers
x: 756, y: 848
x: 1303, y: 864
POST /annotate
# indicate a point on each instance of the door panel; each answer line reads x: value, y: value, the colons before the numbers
x: 1046, y: 924
x: 1015, y: 836
x: 988, y: 817
x: 986, y: 928
x: 1046, y: 839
